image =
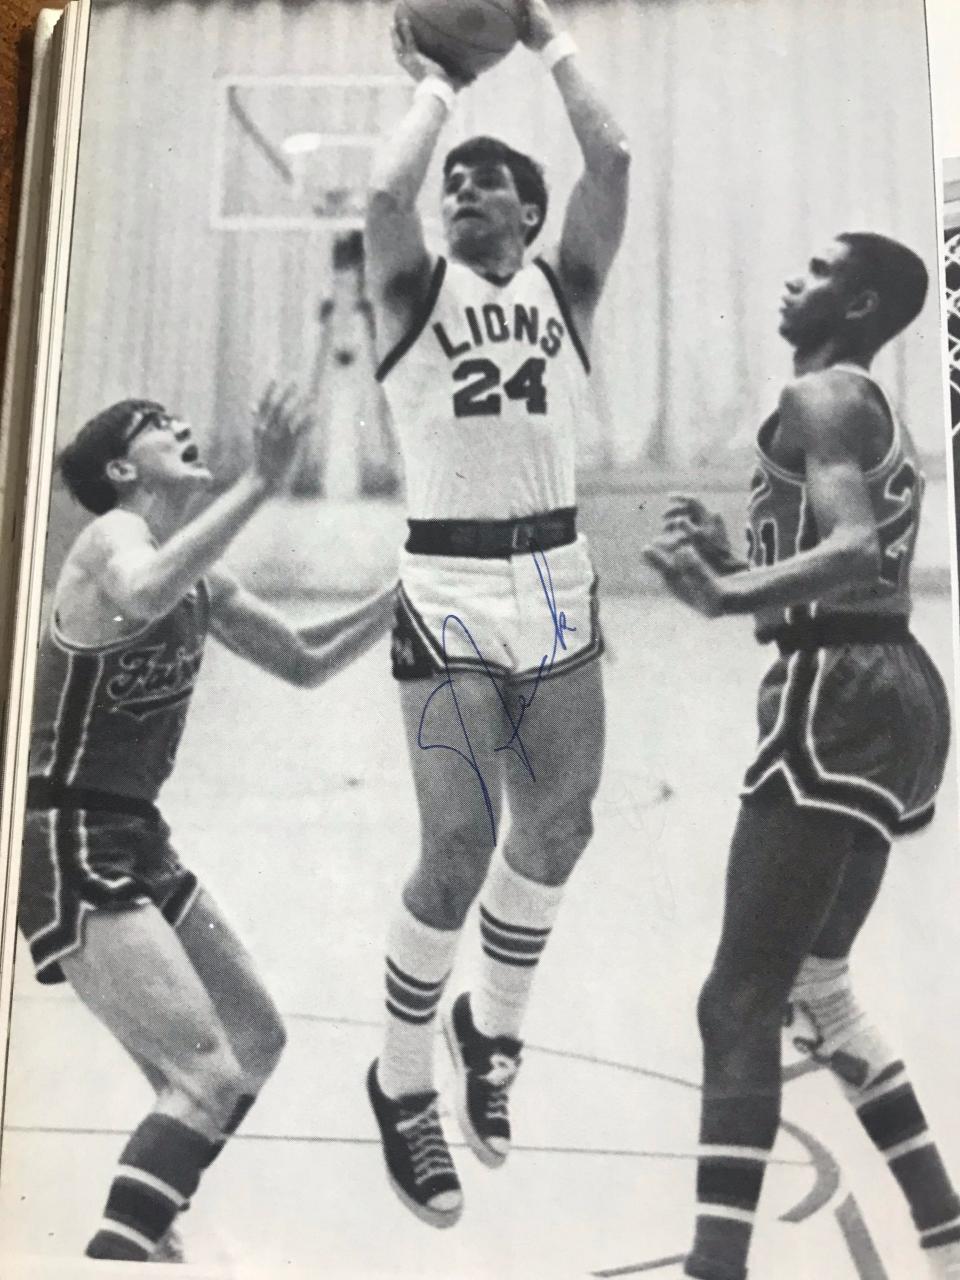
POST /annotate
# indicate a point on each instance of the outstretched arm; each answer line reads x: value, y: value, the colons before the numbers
x: 397, y: 256
x: 145, y: 581
x: 824, y: 418
x: 597, y: 210
x: 306, y: 656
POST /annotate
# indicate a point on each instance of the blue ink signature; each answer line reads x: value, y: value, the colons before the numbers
x: 515, y: 716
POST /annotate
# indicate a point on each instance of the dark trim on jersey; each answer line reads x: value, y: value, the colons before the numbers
x: 73, y: 714
x: 787, y: 747
x: 443, y: 663
x: 418, y: 323
x: 91, y: 650
x: 589, y: 653
x: 563, y: 304
x: 65, y: 645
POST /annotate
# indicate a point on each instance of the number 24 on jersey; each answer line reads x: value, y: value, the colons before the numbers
x: 484, y: 388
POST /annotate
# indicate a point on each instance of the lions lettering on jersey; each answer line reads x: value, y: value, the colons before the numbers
x: 482, y: 377
x: 485, y: 391
x: 781, y: 524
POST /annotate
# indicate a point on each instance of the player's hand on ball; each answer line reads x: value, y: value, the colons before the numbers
x: 537, y: 27
x: 280, y: 423
x: 416, y: 63
x: 686, y: 573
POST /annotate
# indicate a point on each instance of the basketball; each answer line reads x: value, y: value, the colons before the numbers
x: 465, y: 36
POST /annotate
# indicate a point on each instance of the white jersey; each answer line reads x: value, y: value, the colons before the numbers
x: 485, y: 391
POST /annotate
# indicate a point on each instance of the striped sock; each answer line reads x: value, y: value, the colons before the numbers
x: 158, y: 1173
x: 237, y: 1117
x: 736, y: 1138
x: 516, y: 916
x: 419, y: 960
x: 893, y: 1118
x: 878, y: 1088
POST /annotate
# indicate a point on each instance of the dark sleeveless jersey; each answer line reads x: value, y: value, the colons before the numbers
x: 781, y: 523
x: 111, y: 718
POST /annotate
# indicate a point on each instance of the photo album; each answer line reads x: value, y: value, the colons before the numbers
x: 480, y: 691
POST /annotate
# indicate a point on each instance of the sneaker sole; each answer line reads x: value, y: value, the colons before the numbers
x: 492, y: 1159
x: 432, y: 1217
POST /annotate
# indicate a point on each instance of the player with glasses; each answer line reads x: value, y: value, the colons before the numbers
x: 106, y: 903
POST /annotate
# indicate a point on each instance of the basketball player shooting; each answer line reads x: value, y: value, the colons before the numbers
x: 484, y: 360
x: 854, y: 732
x: 105, y: 903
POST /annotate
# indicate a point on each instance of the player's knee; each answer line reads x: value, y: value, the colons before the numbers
x: 730, y: 1010
x: 556, y: 839
x: 211, y: 1074
x: 268, y: 1041
x: 573, y: 829
x: 825, y: 1021
x: 452, y: 869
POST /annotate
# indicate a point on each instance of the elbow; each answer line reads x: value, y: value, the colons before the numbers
x: 614, y: 157
x: 621, y: 155
x: 304, y: 673
x: 862, y: 556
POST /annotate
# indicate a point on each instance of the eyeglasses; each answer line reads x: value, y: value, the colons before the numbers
x: 147, y: 418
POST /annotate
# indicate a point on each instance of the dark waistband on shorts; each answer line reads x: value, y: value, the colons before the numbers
x: 833, y: 630
x: 45, y: 793
x: 492, y: 539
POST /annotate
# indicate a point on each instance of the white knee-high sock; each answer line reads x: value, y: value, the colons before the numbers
x: 419, y: 960
x: 516, y: 916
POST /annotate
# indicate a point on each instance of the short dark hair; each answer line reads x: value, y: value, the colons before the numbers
x: 83, y: 462
x: 896, y: 273
x: 527, y: 174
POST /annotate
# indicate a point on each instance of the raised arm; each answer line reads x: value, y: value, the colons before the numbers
x: 826, y: 419
x: 397, y: 256
x: 307, y: 656
x: 145, y: 581
x: 597, y: 210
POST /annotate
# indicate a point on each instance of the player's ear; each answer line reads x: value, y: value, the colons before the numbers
x: 530, y: 216
x: 120, y: 471
x: 863, y: 304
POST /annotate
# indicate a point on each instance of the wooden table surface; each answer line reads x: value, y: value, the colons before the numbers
x: 16, y: 24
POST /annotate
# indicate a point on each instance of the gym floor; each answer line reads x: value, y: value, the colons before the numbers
x: 297, y: 812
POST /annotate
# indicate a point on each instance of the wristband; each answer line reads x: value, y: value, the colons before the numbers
x: 434, y: 87
x: 560, y: 47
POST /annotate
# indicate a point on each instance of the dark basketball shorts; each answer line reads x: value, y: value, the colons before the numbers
x: 857, y: 729
x: 80, y: 860
x: 500, y: 617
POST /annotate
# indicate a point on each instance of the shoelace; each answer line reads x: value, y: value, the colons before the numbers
x: 429, y: 1154
x: 496, y: 1082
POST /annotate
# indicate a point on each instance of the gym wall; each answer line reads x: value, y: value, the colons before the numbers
x: 816, y: 121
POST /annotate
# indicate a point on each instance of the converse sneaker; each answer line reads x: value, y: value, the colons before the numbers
x: 419, y: 1165
x: 485, y: 1071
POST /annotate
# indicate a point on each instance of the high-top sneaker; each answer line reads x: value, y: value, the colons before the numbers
x: 419, y: 1165
x: 485, y: 1068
